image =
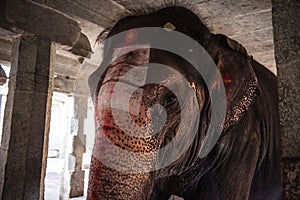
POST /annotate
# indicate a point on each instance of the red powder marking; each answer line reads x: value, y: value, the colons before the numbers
x: 131, y: 35
x: 227, y: 77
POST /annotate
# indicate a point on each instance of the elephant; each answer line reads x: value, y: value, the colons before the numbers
x: 245, y: 161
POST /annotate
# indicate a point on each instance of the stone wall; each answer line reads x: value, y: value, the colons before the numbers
x: 286, y: 27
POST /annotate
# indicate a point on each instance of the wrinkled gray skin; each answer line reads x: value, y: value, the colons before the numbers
x: 244, y: 164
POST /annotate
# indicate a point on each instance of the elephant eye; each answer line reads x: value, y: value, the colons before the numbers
x: 170, y: 99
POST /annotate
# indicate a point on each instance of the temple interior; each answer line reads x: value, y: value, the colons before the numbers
x: 49, y: 48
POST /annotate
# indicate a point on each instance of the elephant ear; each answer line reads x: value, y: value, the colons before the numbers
x: 239, y: 78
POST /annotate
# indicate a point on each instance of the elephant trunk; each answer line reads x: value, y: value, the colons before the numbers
x: 122, y: 161
x: 107, y: 183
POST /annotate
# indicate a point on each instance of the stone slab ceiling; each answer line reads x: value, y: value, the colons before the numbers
x: 247, y: 21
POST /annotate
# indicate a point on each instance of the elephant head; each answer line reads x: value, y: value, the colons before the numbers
x: 130, y: 125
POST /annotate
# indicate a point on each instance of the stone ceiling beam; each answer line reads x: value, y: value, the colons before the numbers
x: 41, y: 20
x: 137, y: 4
x: 63, y: 85
x: 66, y: 66
x: 102, y: 13
x: 5, y: 51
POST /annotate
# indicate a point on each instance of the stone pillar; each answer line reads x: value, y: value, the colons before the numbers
x: 21, y: 151
x: 73, y: 176
x: 286, y: 27
x: 81, y: 98
x: 77, y: 177
x: 48, y: 120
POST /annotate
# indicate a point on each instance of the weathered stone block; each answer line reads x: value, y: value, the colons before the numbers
x: 291, y: 178
x: 289, y: 93
x: 287, y: 50
x: 77, y: 184
x: 286, y: 15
